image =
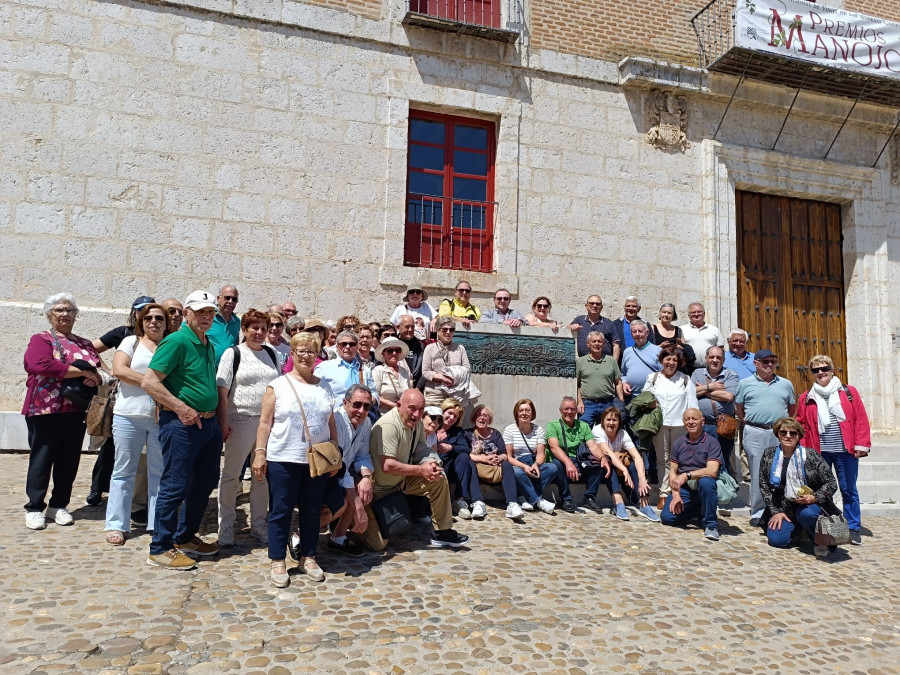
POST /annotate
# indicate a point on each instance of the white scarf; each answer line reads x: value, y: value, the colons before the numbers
x: 828, y: 398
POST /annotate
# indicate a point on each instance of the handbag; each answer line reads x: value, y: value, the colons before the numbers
x: 726, y: 425
x: 100, y: 413
x: 726, y: 487
x: 489, y: 473
x: 324, y: 458
x: 392, y: 514
x: 832, y: 530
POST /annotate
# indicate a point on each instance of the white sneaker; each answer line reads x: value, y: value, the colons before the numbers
x: 34, y: 520
x: 226, y: 536
x: 260, y: 534
x: 514, y: 511
x: 545, y: 506
x: 525, y: 506
x: 462, y: 509
x: 479, y: 510
x: 60, y: 516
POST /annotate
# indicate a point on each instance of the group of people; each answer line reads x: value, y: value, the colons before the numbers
x: 656, y: 404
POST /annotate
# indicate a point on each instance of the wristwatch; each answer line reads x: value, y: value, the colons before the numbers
x: 689, y: 475
x: 367, y: 475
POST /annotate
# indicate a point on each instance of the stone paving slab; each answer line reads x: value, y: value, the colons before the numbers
x: 581, y: 593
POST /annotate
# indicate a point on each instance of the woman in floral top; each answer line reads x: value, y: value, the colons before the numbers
x: 55, y: 424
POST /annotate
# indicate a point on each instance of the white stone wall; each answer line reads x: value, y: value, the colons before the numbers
x: 149, y: 148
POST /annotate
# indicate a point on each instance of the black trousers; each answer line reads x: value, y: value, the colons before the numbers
x: 103, y: 467
x: 55, y: 441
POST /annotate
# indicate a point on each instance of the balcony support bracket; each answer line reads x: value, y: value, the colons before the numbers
x: 731, y: 100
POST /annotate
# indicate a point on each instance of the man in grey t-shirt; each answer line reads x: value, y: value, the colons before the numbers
x: 716, y: 389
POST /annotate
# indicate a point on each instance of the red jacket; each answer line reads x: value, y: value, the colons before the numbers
x: 854, y: 430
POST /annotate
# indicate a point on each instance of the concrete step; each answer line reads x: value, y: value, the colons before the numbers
x: 867, y: 510
x: 878, y: 471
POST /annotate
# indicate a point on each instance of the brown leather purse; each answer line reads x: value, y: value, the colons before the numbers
x: 324, y: 458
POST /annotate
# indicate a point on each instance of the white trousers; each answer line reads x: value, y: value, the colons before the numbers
x: 237, y: 447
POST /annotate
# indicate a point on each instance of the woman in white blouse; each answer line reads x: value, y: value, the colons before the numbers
x: 243, y: 374
x: 282, y: 447
x: 134, y: 423
x: 675, y: 393
x: 392, y: 376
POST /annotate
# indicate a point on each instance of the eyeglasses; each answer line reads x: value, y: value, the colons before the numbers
x: 392, y: 350
x: 595, y: 304
x: 346, y: 344
x: 820, y: 369
x: 230, y: 297
x: 159, y: 318
x: 542, y: 306
x: 447, y: 330
x: 463, y: 290
x: 788, y: 432
x: 502, y: 299
x: 356, y: 405
x: 304, y: 352
x: 277, y: 325
x: 174, y: 311
x: 64, y: 311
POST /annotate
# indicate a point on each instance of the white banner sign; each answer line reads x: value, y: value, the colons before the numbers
x: 821, y: 35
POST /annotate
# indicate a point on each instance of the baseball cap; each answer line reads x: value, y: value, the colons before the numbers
x: 433, y: 411
x: 141, y: 301
x: 763, y: 354
x: 200, y: 300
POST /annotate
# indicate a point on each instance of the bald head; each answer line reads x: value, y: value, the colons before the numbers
x: 410, y: 407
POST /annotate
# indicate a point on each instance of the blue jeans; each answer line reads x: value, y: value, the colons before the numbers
x: 591, y: 476
x: 727, y: 445
x: 191, y: 457
x: 594, y: 409
x: 291, y: 485
x: 847, y: 468
x: 700, y: 502
x: 131, y: 434
x: 806, y: 516
x: 533, y: 488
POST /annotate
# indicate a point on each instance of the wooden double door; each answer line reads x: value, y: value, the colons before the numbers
x: 791, y: 281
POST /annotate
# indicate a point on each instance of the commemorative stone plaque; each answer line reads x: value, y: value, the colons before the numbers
x: 519, y: 354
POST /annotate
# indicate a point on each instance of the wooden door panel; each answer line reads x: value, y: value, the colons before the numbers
x: 791, y: 291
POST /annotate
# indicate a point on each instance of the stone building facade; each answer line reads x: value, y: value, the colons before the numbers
x: 161, y: 146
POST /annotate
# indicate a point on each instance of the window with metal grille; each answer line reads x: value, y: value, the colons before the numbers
x: 475, y: 12
x: 450, y: 207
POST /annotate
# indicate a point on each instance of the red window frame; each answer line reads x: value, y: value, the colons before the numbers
x: 474, y: 12
x: 443, y: 231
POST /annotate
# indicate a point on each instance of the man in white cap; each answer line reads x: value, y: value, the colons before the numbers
x: 415, y: 306
x: 182, y: 380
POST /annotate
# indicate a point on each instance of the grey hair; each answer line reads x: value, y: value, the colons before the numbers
x: 350, y: 334
x: 715, y: 347
x: 294, y: 322
x: 596, y: 333
x: 672, y: 307
x: 56, y: 299
x: 567, y: 398
x: 639, y: 322
x: 443, y: 321
x: 740, y: 331
x: 352, y: 389
x: 633, y: 298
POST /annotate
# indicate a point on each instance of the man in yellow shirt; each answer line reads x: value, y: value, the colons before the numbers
x: 459, y: 307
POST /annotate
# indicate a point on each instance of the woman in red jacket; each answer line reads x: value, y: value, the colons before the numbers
x: 836, y: 424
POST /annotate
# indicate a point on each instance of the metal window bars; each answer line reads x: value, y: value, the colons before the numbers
x: 448, y: 233
x: 503, y: 16
x: 714, y: 27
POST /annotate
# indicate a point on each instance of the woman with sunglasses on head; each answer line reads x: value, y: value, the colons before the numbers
x: 440, y: 355
x: 797, y: 487
x: 391, y: 376
x: 540, y: 314
x: 275, y: 338
x: 837, y: 425
x: 135, y: 423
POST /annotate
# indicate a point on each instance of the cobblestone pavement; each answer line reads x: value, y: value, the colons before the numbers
x: 565, y: 593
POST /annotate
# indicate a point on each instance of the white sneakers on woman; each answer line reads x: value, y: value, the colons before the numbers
x: 514, y: 511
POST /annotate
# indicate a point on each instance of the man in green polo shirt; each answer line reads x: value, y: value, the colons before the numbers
x: 599, y: 381
x: 564, y: 437
x: 225, y: 331
x: 182, y: 380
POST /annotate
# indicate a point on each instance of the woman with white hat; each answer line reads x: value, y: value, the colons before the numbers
x: 414, y: 304
x: 392, y: 376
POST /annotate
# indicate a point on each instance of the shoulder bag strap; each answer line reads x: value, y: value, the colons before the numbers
x: 715, y: 411
x: 526, y: 442
x: 637, y: 353
x: 302, y: 411
x: 562, y: 429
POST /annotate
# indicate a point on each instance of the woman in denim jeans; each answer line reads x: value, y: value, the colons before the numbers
x: 525, y: 451
x: 135, y: 423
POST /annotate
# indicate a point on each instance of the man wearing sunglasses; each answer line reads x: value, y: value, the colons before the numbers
x: 226, y: 329
x: 353, y: 430
x: 459, y: 308
x: 502, y: 312
x: 346, y: 370
x: 593, y: 322
x: 762, y: 399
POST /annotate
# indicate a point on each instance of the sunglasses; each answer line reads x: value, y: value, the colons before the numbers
x: 159, y: 318
x: 436, y: 418
x: 463, y: 290
x: 277, y: 325
x: 447, y: 330
x: 346, y: 344
x: 231, y: 297
x: 820, y: 369
x: 788, y: 432
x: 595, y: 304
x: 769, y: 362
x: 174, y: 311
x: 502, y: 299
x: 289, y: 312
x: 357, y: 405
x: 392, y: 350
x: 542, y: 306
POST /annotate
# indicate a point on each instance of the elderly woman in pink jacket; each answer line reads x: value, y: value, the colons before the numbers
x: 836, y: 424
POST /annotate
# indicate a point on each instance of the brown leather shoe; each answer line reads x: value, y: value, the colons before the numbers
x: 661, y: 503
